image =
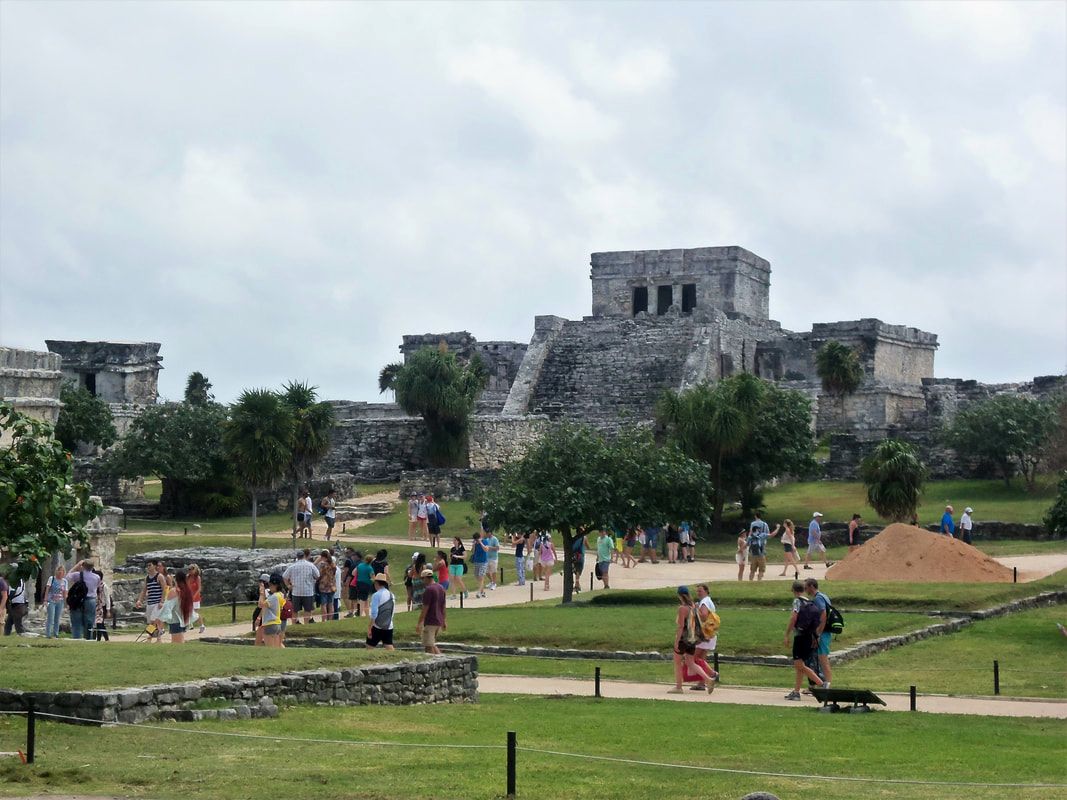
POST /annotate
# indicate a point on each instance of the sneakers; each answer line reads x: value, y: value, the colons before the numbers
x: 466, y: 595
x: 793, y: 696
x: 826, y: 685
x: 806, y: 567
x: 710, y: 686
x: 829, y: 564
x: 492, y: 585
x: 675, y: 690
x: 202, y: 629
x: 696, y: 687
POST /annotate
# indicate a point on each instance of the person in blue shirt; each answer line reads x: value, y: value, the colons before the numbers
x: 822, y: 602
x: 948, y: 525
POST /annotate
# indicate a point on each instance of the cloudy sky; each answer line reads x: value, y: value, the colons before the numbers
x: 281, y: 191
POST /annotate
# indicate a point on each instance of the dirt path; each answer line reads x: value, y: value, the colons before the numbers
x: 934, y: 704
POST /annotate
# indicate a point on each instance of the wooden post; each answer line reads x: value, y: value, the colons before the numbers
x: 996, y: 677
x: 31, y: 729
x: 912, y: 694
x: 511, y: 764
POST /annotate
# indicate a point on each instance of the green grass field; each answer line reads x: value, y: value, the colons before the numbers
x: 166, y: 763
x: 42, y: 664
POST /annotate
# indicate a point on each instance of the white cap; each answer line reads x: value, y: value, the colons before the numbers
x: 968, y: 510
x: 817, y: 514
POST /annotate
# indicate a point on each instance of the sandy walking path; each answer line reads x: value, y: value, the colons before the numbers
x: 934, y: 704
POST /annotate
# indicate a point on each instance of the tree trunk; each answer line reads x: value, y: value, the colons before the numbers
x: 717, y: 496
x: 568, y: 565
x: 295, y: 500
x: 255, y: 508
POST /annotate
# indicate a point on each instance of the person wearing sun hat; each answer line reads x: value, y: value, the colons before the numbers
x: 815, y: 544
x: 966, y: 524
x: 380, y: 620
x: 432, y: 617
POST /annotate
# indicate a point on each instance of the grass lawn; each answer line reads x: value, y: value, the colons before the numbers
x: 880, y: 745
x: 43, y: 665
x: 839, y: 500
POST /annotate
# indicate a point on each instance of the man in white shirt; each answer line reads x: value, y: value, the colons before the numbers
x: 300, y: 577
x: 19, y: 603
x: 966, y: 524
x: 705, y: 606
x: 382, y: 605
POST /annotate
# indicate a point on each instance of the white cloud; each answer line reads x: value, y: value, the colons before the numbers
x: 989, y: 30
x: 635, y: 71
x: 1045, y: 123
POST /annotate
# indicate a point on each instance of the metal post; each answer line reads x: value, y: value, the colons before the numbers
x: 233, y: 609
x: 996, y: 677
x: 511, y: 763
x: 344, y: 525
x: 461, y: 599
x: 596, y: 680
x: 186, y: 531
x: 531, y: 591
x: 912, y: 695
x: 1014, y: 574
x: 31, y: 730
x: 591, y: 580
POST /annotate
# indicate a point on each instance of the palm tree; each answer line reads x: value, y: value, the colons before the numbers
x: 312, y: 423
x: 436, y: 386
x: 258, y: 440
x: 894, y: 476
x: 198, y: 390
x: 387, y: 378
x: 708, y: 422
x: 839, y: 369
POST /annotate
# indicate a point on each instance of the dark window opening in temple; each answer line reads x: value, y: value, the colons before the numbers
x: 689, y: 297
x: 664, y: 299
x: 90, y: 383
x: 640, y: 299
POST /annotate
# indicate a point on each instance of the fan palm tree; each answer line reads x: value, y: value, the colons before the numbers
x: 894, y: 476
x: 312, y: 422
x: 839, y: 369
x: 258, y: 440
x: 387, y: 378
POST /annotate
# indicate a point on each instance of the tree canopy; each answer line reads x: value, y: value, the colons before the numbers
x: 42, y: 510
x: 576, y: 481
x: 312, y: 422
x: 839, y: 368
x: 198, y: 390
x: 436, y: 386
x: 1056, y: 517
x: 1010, y: 431
x: 894, y: 477
x: 84, y: 418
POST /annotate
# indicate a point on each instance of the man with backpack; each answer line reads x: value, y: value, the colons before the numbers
x: 758, y: 533
x: 17, y: 605
x: 380, y: 622
x: 826, y: 609
x: 804, y: 622
x: 82, y: 599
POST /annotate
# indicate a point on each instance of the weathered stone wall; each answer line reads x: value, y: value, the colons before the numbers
x: 501, y: 359
x: 730, y: 279
x: 117, y: 372
x: 377, y: 449
x: 494, y: 441
x: 30, y: 381
x: 442, y: 679
x: 446, y: 484
x: 890, y: 354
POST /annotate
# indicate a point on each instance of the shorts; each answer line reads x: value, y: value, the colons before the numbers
x: 330, y: 522
x: 816, y: 545
x: 325, y: 599
x: 787, y: 547
x: 481, y: 569
x: 434, y: 528
x: 378, y: 636
x: 361, y: 591
x: 604, y: 566
x: 824, y: 643
x: 803, y: 647
x: 684, y: 649
x: 152, y: 612
x: 272, y: 630
x: 740, y: 559
x: 302, y: 603
x: 455, y: 570
x: 175, y: 627
x: 494, y: 568
x: 650, y: 540
x: 758, y: 563
x: 579, y: 565
x: 429, y: 635
x: 303, y: 517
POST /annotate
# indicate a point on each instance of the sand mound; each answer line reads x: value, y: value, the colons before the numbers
x: 905, y: 553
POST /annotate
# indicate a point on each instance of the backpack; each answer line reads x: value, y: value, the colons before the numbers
x: 808, y: 616
x: 287, y: 609
x: 710, y: 626
x: 77, y: 595
x: 756, y: 545
x: 691, y: 629
x: 835, y: 623
x: 440, y: 517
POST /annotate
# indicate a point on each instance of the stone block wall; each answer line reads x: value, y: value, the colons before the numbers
x: 442, y: 679
x: 117, y: 372
x: 890, y: 354
x: 445, y: 484
x: 494, y: 440
x: 31, y: 381
x: 501, y: 359
x: 377, y: 449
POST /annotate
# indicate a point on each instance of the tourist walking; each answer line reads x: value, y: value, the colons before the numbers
x: 628, y: 545
x: 270, y: 604
x: 803, y: 626
x: 432, y: 616
x: 758, y: 533
x: 440, y: 570
x: 413, y: 516
x: 688, y: 540
x: 18, y: 606
x: 362, y: 586
x: 966, y: 524
x: 548, y: 560
x: 605, y: 547
x: 815, y: 544
x: 301, y: 509
x: 854, y: 532
x: 650, y: 543
x: 418, y: 585
x: 421, y: 519
x: 151, y: 598
x: 533, y: 560
x: 822, y: 604
x: 196, y: 583
x: 709, y: 631
x: 789, y: 549
x: 673, y: 542
x: 81, y: 600
x: 56, y: 595
x: 480, y: 562
x: 103, y: 609
x: 948, y: 525
x: 301, y: 577
x: 578, y: 560
x: 433, y: 522
x: 329, y: 507
x: 325, y: 584
x: 519, y: 541
x: 381, y: 563
x: 382, y: 607
x: 741, y: 555
x: 177, y: 611
x: 492, y: 556
x: 457, y: 565
x: 305, y: 526
x: 687, y: 635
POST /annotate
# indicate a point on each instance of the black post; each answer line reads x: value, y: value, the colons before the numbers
x: 461, y: 599
x: 501, y: 576
x: 912, y: 693
x: 1014, y: 574
x: 996, y: 677
x: 31, y: 730
x: 343, y: 526
x: 186, y: 532
x: 596, y: 680
x: 531, y: 591
x: 591, y: 580
x: 233, y: 609
x: 511, y: 763
x: 124, y: 522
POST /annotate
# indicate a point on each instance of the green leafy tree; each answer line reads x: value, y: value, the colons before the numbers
x: 198, y: 390
x: 436, y: 386
x: 1056, y: 516
x: 258, y: 438
x: 575, y: 482
x: 780, y: 443
x: 42, y: 510
x: 1010, y: 431
x: 312, y: 422
x: 182, y: 444
x: 84, y: 418
x: 894, y: 477
x: 710, y: 422
x: 839, y: 368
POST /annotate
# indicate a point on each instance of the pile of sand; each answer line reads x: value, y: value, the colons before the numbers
x: 906, y: 553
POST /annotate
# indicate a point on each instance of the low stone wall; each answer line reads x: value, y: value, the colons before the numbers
x: 443, y: 679
x: 445, y: 484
